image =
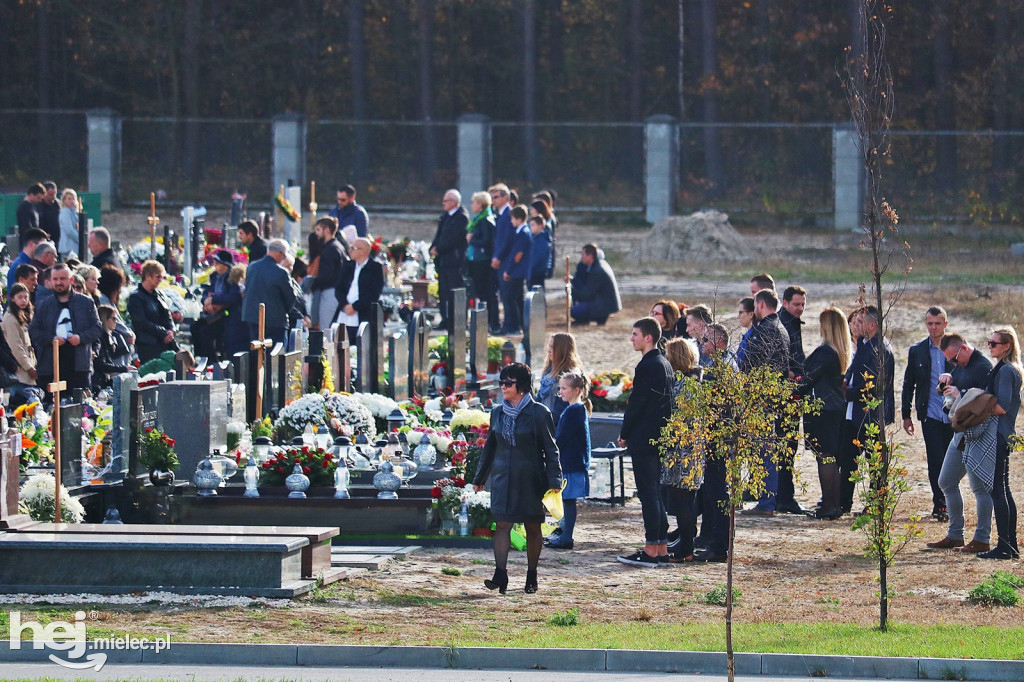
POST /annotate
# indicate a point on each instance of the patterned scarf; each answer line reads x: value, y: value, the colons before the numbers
x: 511, y: 413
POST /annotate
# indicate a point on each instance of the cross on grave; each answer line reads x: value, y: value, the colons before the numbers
x: 55, y: 387
x: 260, y: 345
x: 153, y: 222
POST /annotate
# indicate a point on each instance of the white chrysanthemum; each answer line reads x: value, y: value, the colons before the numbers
x: 37, y: 498
x: 466, y: 418
x: 380, y: 406
x: 350, y: 412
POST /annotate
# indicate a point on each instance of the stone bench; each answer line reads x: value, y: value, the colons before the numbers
x: 59, y: 563
x: 316, y: 556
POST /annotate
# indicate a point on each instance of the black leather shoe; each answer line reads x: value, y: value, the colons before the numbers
x: 789, y: 507
x: 531, y: 582
x: 499, y: 582
x: 709, y: 557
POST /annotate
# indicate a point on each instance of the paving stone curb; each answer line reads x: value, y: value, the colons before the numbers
x: 584, y: 660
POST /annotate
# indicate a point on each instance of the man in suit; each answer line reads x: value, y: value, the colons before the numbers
x: 503, y: 232
x: 648, y: 410
x: 449, y: 251
x: 267, y: 282
x: 864, y: 368
x: 359, y: 287
x: 925, y: 364
x: 794, y: 298
x: 595, y: 292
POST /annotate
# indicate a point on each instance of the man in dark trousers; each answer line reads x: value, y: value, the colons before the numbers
x: 768, y: 344
x: 266, y: 281
x: 647, y: 411
x: 328, y: 273
x: 794, y: 298
x: 249, y: 235
x: 449, y: 251
x: 864, y: 368
x: 359, y: 287
x: 595, y: 292
x: 49, y: 212
x: 71, y: 318
x: 925, y: 364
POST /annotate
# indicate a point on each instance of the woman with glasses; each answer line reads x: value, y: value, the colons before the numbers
x: 520, y: 458
x: 667, y: 314
x: 1004, y: 382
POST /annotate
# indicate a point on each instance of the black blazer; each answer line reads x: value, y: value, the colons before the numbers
x: 823, y: 378
x: 865, y: 361
x: 371, y: 284
x: 331, y: 259
x: 917, y: 380
x: 650, y: 404
x: 450, y: 239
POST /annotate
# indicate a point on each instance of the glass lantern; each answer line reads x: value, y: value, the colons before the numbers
x: 394, y: 447
x: 308, y: 436
x: 261, y: 448
x: 409, y: 469
x: 342, y: 449
x: 380, y: 451
x: 403, y: 440
x: 425, y: 454
x: 342, y: 477
x: 395, y: 420
x: 252, y: 478
x: 323, y: 438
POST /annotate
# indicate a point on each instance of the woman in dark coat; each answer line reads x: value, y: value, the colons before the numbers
x: 823, y: 380
x: 521, y: 459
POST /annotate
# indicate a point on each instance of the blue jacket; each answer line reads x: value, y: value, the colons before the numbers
x: 573, y: 439
x: 269, y: 283
x: 21, y: 258
x: 540, y: 254
x: 503, y: 232
x: 223, y: 292
x: 353, y: 214
x: 517, y: 263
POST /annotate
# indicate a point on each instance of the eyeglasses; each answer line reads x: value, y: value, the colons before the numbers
x: 993, y: 344
x: 657, y: 313
x: 508, y: 383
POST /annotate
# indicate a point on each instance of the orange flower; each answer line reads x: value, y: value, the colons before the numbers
x: 27, y: 442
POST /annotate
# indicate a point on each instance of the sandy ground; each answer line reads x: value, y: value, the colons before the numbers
x: 789, y: 568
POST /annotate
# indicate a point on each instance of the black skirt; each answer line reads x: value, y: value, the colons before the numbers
x: 823, y: 431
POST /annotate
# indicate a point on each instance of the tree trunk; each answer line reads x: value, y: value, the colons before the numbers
x: 945, y: 115
x: 530, y: 93
x: 712, y: 140
x: 425, y: 15
x: 730, y: 655
x: 357, y: 56
x: 191, y: 87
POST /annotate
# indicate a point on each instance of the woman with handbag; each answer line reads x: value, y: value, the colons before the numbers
x: 520, y: 458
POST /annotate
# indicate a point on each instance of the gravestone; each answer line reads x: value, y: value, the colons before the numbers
x: 313, y: 368
x: 379, y: 382
x: 195, y: 415
x: 290, y: 371
x: 236, y: 402
x: 477, y: 346
x: 10, y: 452
x: 398, y: 365
x: 457, y: 341
x: 535, y: 315
x: 71, y: 443
x: 143, y: 403
x: 272, y: 386
x: 240, y: 364
x: 223, y: 370
x: 298, y: 340
x: 418, y: 351
x: 364, y: 353
x: 123, y: 385
x: 337, y: 357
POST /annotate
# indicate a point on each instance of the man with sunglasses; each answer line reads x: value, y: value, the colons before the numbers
x: 925, y: 363
x: 970, y: 369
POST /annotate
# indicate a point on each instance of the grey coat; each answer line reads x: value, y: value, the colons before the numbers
x: 520, y: 474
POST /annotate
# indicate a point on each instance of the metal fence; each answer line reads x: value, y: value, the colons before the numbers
x: 785, y: 170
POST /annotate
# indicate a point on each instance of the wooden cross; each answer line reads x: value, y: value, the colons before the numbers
x: 261, y: 344
x: 312, y: 202
x: 568, y: 295
x: 55, y: 387
x: 153, y: 221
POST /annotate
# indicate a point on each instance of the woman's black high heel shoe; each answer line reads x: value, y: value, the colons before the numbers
x: 531, y: 582
x: 499, y: 581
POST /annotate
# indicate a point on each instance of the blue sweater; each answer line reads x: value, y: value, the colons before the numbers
x: 517, y: 265
x: 540, y: 254
x: 353, y: 214
x: 573, y: 439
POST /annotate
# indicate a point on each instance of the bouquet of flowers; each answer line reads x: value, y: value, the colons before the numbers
x: 317, y: 464
x: 610, y: 391
x: 465, y: 455
x: 293, y: 417
x: 348, y: 416
x: 380, y: 406
x: 262, y: 427
x: 464, y: 419
x: 479, y: 507
x: 440, y: 439
x: 397, y: 249
x: 32, y: 421
x: 38, y: 499
x: 156, y: 451
x: 447, y: 494
x: 286, y: 207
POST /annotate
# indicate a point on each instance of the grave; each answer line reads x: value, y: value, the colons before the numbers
x: 398, y: 365
x: 123, y: 385
x: 477, y: 373
x: 195, y: 415
x: 457, y: 341
x: 290, y: 372
x: 313, y: 368
x: 378, y: 335
x: 143, y: 415
x: 418, y: 354
x: 272, y: 392
x: 71, y: 415
x: 244, y: 371
x: 535, y: 314
x: 365, y: 354
x: 338, y: 357
x: 10, y: 452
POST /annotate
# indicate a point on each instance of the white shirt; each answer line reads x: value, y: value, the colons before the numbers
x: 351, y: 297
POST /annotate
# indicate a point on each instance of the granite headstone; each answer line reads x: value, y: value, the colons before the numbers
x: 418, y: 352
x: 535, y: 315
x: 398, y: 365
x: 477, y: 345
x: 195, y: 415
x: 457, y: 341
x: 143, y: 404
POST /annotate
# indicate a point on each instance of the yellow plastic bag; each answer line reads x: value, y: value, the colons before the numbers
x: 553, y: 501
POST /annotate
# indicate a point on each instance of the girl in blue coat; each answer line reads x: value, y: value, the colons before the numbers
x: 573, y: 438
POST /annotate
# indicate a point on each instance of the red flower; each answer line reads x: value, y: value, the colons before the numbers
x: 325, y: 465
x: 305, y: 470
x: 435, y: 492
x: 280, y: 470
x: 459, y: 482
x: 305, y: 449
x: 149, y: 430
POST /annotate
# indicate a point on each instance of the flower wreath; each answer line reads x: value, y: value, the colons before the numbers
x: 289, y: 212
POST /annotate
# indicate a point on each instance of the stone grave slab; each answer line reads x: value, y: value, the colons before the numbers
x: 143, y: 415
x: 398, y: 365
x: 457, y: 341
x: 10, y: 452
x: 370, y: 562
x: 397, y: 551
x: 71, y: 443
x: 418, y: 351
x: 535, y: 315
x: 477, y: 345
x: 290, y: 371
x: 123, y: 385
x: 195, y: 414
x: 117, y: 563
x: 379, y: 340
x: 316, y: 556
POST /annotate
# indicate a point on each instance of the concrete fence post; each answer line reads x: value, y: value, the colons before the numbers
x: 848, y: 178
x: 661, y: 170
x: 289, y: 152
x: 104, y: 140
x: 474, y: 140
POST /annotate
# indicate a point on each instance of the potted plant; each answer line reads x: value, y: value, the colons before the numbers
x: 156, y: 453
x: 478, y: 504
x: 37, y: 498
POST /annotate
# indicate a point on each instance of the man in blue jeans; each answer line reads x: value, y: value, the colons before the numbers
x: 648, y: 410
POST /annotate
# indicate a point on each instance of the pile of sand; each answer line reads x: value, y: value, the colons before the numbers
x: 702, y: 237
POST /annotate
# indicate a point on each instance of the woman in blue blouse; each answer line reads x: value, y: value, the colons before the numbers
x: 573, y: 438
